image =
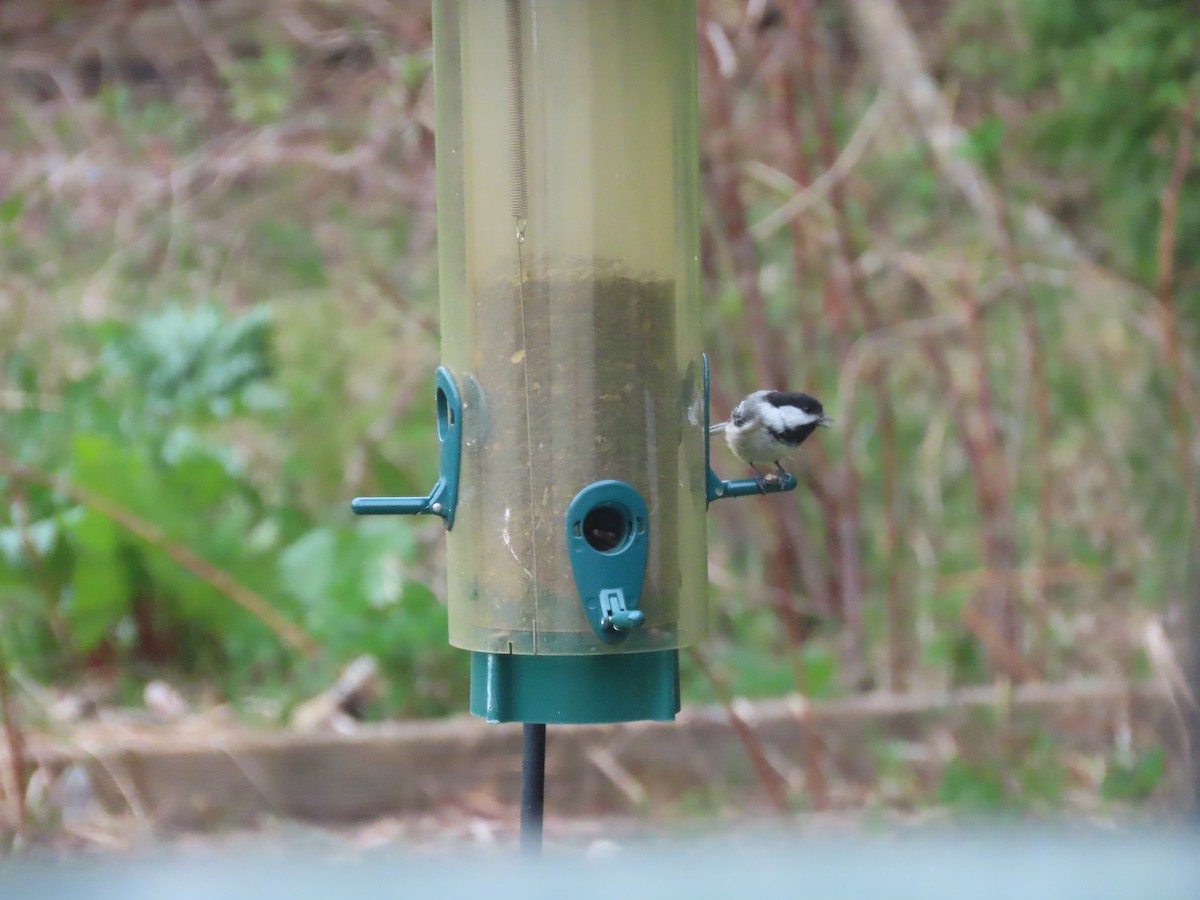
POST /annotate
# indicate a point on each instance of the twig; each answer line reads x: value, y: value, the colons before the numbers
x: 1183, y: 405
x: 794, y: 554
x: 980, y: 579
x: 808, y: 195
x: 772, y: 782
x: 991, y: 499
x: 37, y: 568
x: 1007, y: 244
x: 790, y: 617
x: 1002, y: 652
x: 725, y: 188
x: 622, y: 779
x: 16, y: 753
x: 788, y: 521
x: 12, y: 399
x: 1040, y: 387
x: 993, y: 481
x: 212, y: 575
x: 886, y: 36
x: 770, y: 360
x: 842, y: 291
x: 217, y: 52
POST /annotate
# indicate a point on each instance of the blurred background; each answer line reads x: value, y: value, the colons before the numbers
x: 971, y: 227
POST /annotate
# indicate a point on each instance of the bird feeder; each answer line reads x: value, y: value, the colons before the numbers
x: 572, y: 401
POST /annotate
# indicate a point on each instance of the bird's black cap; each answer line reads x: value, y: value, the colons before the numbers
x: 801, y: 401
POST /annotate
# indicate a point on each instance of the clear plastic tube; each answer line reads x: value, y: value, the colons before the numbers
x: 568, y: 243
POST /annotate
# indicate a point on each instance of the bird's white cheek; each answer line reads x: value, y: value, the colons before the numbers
x: 785, y: 418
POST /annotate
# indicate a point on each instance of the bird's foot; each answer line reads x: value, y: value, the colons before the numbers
x: 760, y: 478
x: 783, y: 474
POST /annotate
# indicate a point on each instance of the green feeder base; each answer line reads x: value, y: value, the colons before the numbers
x: 575, y: 690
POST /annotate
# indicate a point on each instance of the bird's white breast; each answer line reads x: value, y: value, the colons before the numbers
x: 752, y: 443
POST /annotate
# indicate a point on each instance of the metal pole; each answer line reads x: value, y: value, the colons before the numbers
x: 533, y: 788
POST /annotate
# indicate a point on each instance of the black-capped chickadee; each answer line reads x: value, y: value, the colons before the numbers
x: 770, y: 425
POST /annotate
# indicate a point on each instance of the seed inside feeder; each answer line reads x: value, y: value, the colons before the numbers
x: 578, y: 374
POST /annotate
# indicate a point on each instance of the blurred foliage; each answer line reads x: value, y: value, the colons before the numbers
x: 219, y: 316
x: 1104, y: 83
x: 145, y: 427
x: 263, y: 87
x: 1133, y: 774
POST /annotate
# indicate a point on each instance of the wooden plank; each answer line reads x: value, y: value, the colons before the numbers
x: 189, y: 778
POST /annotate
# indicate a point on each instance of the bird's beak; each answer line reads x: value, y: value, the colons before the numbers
x: 720, y: 426
x: 826, y: 421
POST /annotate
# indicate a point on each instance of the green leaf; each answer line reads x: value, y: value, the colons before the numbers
x: 984, y: 143
x: 1134, y: 778
x: 278, y: 62
x: 11, y: 207
x: 971, y: 787
x: 414, y: 69
x: 821, y: 668
x: 425, y: 616
x: 306, y: 567
x: 192, y: 360
x: 291, y: 249
x: 205, y: 475
x: 116, y: 100
x: 99, y: 463
x: 1042, y: 775
x: 100, y: 590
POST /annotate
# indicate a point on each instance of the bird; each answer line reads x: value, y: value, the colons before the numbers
x: 770, y: 425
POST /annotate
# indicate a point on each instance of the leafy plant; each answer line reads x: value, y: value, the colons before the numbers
x: 189, y: 362
x: 148, y: 540
x: 1110, y: 79
x: 971, y: 787
x: 1133, y: 775
x: 263, y: 87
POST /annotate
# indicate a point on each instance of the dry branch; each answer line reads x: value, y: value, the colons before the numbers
x: 725, y: 188
x: 793, y: 549
x: 885, y: 37
x: 843, y: 292
x: 994, y: 484
x: 170, y: 33
x: 1183, y: 402
x: 980, y: 439
x: 12, y: 778
x: 773, y: 784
